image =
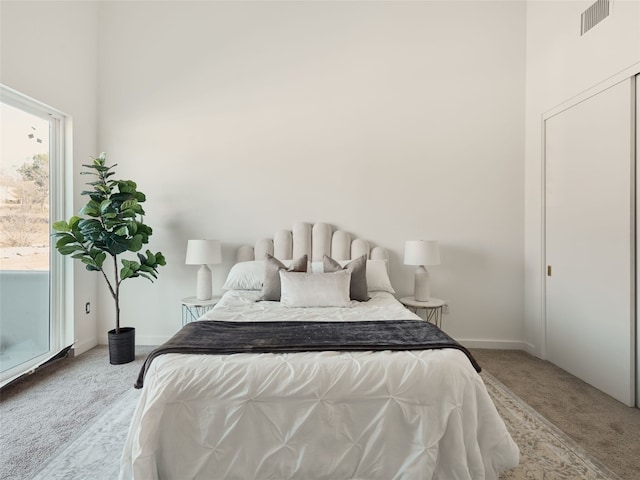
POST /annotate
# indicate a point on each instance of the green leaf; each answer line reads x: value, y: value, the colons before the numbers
x: 104, y: 206
x: 127, y: 186
x: 116, y: 244
x: 91, y: 209
x: 61, y: 226
x: 92, y: 268
x: 132, y: 226
x: 96, y: 197
x: 151, y: 258
x: 130, y: 213
x: 125, y: 273
x: 149, y: 270
x: 65, y: 239
x: 79, y: 236
x: 69, y: 249
x: 135, y: 243
x: 100, y: 258
x: 119, y: 197
x: 73, y: 221
x: 86, y: 224
x: 129, y: 203
x: 160, y: 260
x: 88, y: 260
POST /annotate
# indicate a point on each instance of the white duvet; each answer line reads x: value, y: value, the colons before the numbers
x: 322, y: 415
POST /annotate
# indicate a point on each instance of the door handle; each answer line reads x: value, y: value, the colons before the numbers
x: 548, y: 270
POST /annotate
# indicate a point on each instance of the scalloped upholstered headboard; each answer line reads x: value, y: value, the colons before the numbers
x: 315, y: 240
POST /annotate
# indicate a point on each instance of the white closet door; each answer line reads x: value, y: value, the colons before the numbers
x: 637, y: 120
x: 590, y: 240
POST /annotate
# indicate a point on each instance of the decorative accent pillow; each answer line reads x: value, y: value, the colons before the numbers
x: 358, y: 289
x: 378, y: 277
x: 315, y: 289
x: 271, y: 282
x: 245, y: 276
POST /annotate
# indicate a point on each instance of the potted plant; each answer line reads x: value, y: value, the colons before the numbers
x: 112, y: 225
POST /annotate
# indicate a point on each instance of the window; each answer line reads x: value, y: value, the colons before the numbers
x: 32, y: 326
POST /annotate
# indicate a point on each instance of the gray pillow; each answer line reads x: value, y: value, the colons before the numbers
x: 272, y: 267
x: 358, y: 289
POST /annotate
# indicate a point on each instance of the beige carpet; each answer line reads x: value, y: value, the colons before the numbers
x: 604, y: 427
x: 44, y: 411
x: 545, y: 451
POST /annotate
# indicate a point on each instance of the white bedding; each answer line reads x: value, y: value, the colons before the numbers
x: 239, y: 305
x: 323, y: 415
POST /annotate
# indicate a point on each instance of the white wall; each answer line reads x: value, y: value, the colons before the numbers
x: 392, y: 120
x: 49, y: 52
x: 408, y: 115
x: 560, y: 65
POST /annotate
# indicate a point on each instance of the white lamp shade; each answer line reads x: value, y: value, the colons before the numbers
x: 203, y: 252
x: 421, y: 252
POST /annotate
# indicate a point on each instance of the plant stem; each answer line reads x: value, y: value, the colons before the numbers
x: 116, y: 294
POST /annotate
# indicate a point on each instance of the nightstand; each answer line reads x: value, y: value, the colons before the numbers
x: 192, y: 308
x: 433, y: 308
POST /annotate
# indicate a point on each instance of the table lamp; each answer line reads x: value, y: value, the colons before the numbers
x: 203, y: 252
x: 421, y: 252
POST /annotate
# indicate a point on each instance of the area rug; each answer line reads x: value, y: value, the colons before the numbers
x: 545, y: 452
x: 95, y: 454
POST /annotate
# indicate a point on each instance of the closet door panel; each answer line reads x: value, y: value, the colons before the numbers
x: 590, y: 241
x: 637, y: 326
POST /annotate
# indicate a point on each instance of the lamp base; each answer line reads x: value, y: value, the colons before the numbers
x: 421, y: 287
x: 203, y: 287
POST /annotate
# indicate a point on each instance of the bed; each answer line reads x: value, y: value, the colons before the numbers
x: 356, y: 409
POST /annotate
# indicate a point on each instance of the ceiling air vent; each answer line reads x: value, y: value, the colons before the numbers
x: 594, y: 15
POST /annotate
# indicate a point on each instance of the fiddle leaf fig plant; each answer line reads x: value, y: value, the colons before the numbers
x: 110, y: 225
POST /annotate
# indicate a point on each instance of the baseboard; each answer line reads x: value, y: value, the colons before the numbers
x: 494, y: 344
x: 532, y: 349
x: 84, y: 345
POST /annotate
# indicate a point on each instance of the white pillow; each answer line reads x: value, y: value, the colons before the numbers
x: 299, y: 289
x: 245, y: 276
x: 378, y: 277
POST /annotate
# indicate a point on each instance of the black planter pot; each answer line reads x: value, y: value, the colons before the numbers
x: 122, y: 346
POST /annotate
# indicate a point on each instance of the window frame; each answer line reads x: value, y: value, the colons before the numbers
x: 61, y: 318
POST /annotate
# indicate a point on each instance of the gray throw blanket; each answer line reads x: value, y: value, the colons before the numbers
x: 221, y: 338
